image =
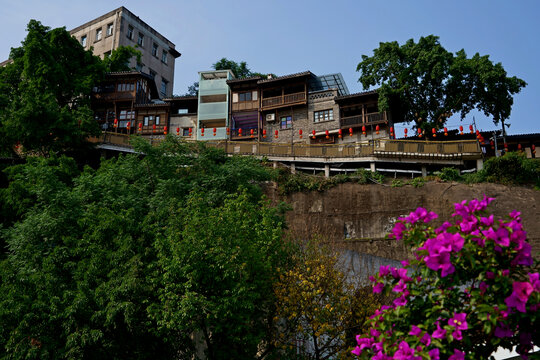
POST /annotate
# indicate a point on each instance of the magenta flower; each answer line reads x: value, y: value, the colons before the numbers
x: 458, y: 355
x: 439, y: 333
x: 378, y: 288
x: 401, y: 301
x: 520, y: 295
x: 534, y: 278
x: 457, y: 335
x: 384, y: 270
x: 459, y: 321
x: 397, y: 231
x: 502, y: 330
x: 404, y: 352
x: 400, y: 286
x: 415, y: 331
x: 426, y: 339
x: 434, y: 354
x: 487, y: 221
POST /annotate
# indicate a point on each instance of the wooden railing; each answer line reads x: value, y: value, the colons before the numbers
x: 370, y: 118
x: 381, y: 148
x: 283, y: 100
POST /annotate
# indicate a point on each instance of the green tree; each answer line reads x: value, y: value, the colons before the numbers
x: 430, y: 83
x: 240, y: 70
x: 83, y: 274
x: 120, y: 57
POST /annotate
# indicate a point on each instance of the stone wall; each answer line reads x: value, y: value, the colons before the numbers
x: 358, y: 217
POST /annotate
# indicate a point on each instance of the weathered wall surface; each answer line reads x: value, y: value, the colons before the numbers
x: 359, y: 216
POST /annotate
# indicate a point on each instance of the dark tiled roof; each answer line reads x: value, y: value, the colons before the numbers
x: 251, y: 78
x: 291, y: 76
x: 181, y: 97
x: 164, y: 104
x: 350, y: 96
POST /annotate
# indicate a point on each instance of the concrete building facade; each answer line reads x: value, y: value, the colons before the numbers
x: 120, y: 27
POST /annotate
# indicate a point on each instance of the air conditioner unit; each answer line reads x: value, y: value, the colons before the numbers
x: 270, y: 117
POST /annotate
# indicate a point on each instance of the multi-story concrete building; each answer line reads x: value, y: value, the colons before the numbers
x: 121, y: 27
x: 213, y: 109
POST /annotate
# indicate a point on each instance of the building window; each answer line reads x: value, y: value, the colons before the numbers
x: 324, y: 115
x: 140, y: 39
x: 139, y: 66
x: 130, y: 32
x: 145, y: 121
x: 244, y: 96
x: 164, y: 56
x: 183, y: 111
x: 152, y: 73
x: 286, y: 122
x: 125, y: 87
x: 109, y: 29
x: 154, y: 49
x: 99, y: 32
x: 83, y: 40
x: 164, y: 84
x: 157, y: 120
x: 185, y: 131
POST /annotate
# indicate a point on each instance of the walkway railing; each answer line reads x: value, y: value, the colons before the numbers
x: 381, y: 148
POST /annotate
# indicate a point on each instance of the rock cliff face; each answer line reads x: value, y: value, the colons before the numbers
x: 357, y: 217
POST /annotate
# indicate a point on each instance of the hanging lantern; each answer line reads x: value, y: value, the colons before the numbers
x: 240, y: 132
x: 350, y: 131
x: 363, y: 130
x: 327, y: 134
x: 300, y: 133
x: 190, y: 131
x: 276, y: 133
x: 533, y: 148
x: 506, y: 146
x: 313, y: 132
x: 519, y: 147
x: 177, y: 131
x: 405, y: 131
x: 128, y: 125
x: 377, y: 128
x: 214, y: 131
x: 165, y: 130
x: 477, y: 133
x: 461, y: 129
x: 445, y: 132
x: 115, y: 122
x: 471, y: 129
x: 391, y: 132
x: 340, y: 133
x: 228, y: 131
x: 264, y: 133
x: 434, y: 132
x: 492, y: 145
x: 154, y: 128
x: 419, y: 133
x: 202, y: 131
x: 140, y: 127
x: 251, y: 133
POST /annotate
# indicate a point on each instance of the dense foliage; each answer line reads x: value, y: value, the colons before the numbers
x: 45, y: 92
x: 139, y: 258
x: 472, y: 287
x: 429, y: 83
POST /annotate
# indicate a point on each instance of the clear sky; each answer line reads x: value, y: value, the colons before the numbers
x: 288, y: 36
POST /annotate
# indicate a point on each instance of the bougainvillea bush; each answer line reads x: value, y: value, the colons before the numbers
x: 472, y: 288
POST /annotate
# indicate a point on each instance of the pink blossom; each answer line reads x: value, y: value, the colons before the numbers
x: 443, y: 227
x: 415, y: 331
x: 534, y: 278
x: 458, y: 355
x: 457, y: 335
x: 400, y: 287
x: 384, y: 270
x: 520, y: 295
x: 439, y: 333
x: 426, y: 339
x: 459, y: 321
x: 502, y: 330
x: 515, y: 215
x: 397, y: 231
x: 404, y: 352
x: 401, y: 301
x: 434, y: 354
x: 378, y: 288
x: 487, y: 221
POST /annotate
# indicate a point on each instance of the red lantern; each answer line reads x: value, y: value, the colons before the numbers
x: 276, y: 134
x: 202, y: 131
x: 140, y: 127
x: 128, y: 125
x: 313, y: 132
x: 461, y: 129
x: 165, y: 130
x: 215, y: 131
x: 154, y: 128
x: 377, y: 128
x: 228, y: 131
x: 533, y: 148
x: 477, y: 134
x: 240, y: 132
x: 445, y: 132
x: 471, y: 129
x: 350, y: 131
x: 363, y: 130
x: 506, y: 146
x: 190, y: 131
x: 405, y: 131
x: 264, y: 133
x: 327, y: 134
x: 419, y: 133
x: 340, y: 133
x: 519, y: 147
x: 251, y: 132
x: 178, y: 131
x: 391, y: 132
x: 300, y: 133
x: 115, y: 122
x: 434, y: 132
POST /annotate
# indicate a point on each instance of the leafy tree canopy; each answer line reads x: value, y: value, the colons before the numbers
x: 45, y: 97
x: 432, y: 83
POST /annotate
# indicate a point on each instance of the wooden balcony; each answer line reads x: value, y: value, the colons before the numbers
x: 284, y: 100
x: 366, y: 119
x: 246, y: 133
x: 245, y: 105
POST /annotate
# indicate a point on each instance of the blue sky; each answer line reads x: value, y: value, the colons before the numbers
x: 285, y: 37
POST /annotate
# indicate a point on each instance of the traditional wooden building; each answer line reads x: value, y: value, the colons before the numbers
x: 183, y: 116
x: 245, y: 113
